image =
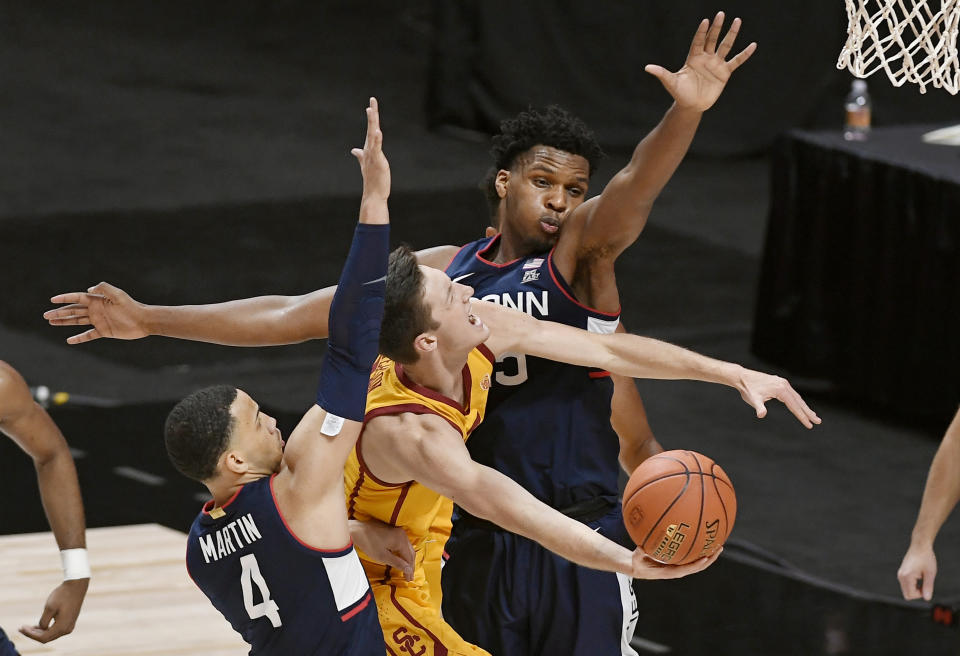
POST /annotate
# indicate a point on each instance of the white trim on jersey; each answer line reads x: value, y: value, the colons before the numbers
x: 630, y: 614
x: 347, y: 579
x: 602, y: 326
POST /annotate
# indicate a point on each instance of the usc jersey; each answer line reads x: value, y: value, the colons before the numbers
x: 410, y: 505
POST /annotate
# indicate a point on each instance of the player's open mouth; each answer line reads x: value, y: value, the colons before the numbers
x: 549, y: 225
x: 473, y: 319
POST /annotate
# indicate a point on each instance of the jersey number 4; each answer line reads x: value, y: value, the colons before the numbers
x: 249, y: 575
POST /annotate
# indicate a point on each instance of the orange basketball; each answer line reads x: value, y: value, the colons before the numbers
x: 679, y: 506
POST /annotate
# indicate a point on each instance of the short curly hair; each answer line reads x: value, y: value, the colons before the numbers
x: 198, y: 429
x: 554, y: 127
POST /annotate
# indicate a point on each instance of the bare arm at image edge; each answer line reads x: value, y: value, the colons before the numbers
x: 32, y: 429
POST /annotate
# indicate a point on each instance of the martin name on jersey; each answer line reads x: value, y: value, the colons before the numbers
x: 220, y: 543
x: 282, y: 595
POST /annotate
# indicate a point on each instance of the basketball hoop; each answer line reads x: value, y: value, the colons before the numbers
x: 912, y: 40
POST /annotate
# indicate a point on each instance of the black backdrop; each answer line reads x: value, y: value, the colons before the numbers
x: 492, y: 58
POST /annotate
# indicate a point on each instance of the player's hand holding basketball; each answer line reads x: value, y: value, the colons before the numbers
x: 60, y: 612
x: 757, y: 387
x: 645, y: 567
x: 705, y: 73
x: 109, y: 309
x: 917, y: 572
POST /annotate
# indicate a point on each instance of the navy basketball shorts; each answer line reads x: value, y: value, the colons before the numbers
x: 512, y: 597
x: 6, y: 647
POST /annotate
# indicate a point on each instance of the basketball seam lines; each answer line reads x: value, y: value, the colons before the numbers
x: 688, y: 474
x: 726, y: 521
x: 693, y: 540
x: 686, y: 484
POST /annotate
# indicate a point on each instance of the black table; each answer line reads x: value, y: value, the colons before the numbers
x: 860, y: 281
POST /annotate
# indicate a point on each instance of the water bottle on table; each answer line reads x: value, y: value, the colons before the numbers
x: 857, y: 104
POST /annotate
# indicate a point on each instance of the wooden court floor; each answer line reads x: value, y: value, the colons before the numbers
x: 140, y: 601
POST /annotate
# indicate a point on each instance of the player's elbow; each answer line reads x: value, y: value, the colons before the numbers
x: 50, y: 453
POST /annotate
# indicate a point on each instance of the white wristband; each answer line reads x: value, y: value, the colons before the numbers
x: 75, y: 564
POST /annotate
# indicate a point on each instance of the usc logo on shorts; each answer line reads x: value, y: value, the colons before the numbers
x: 485, y: 382
x: 407, y: 642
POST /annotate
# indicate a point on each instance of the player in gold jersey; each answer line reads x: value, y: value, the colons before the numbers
x: 428, y: 392
x: 429, y: 395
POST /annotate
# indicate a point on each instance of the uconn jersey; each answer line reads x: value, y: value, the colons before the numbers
x: 283, y: 597
x: 547, y: 424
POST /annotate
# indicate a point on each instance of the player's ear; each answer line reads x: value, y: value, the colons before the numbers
x: 491, y: 231
x: 425, y: 343
x: 234, y: 462
x: 500, y: 182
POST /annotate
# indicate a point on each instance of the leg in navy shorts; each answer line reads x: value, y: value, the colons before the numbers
x: 6, y: 647
x: 514, y: 598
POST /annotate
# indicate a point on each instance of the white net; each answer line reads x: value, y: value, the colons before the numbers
x: 912, y: 40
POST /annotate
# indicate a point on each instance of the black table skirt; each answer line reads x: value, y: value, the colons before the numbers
x: 860, y: 280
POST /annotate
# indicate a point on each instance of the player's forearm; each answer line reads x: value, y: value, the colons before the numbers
x: 643, y: 357
x: 259, y: 321
x: 656, y: 158
x: 624, y: 354
x: 629, y: 419
x: 942, y: 490
x: 373, y: 209
x: 62, y: 502
x: 511, y: 507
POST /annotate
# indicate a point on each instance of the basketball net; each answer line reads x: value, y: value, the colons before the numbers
x: 908, y: 39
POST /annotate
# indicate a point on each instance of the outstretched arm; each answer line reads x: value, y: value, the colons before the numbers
x: 633, y: 355
x: 433, y: 454
x: 309, y: 486
x: 608, y: 224
x: 322, y: 441
x: 940, y: 495
x: 258, y: 321
x: 33, y: 430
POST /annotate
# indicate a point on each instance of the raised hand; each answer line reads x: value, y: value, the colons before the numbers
x: 109, y: 309
x: 757, y: 387
x: 705, y: 72
x: 645, y: 567
x: 917, y: 572
x: 60, y: 612
x: 373, y: 163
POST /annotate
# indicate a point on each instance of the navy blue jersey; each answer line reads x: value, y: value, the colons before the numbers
x: 547, y: 424
x: 282, y: 596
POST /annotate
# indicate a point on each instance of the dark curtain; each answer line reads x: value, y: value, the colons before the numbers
x: 860, y: 282
x: 493, y: 58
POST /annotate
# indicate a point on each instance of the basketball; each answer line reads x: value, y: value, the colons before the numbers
x: 679, y: 506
